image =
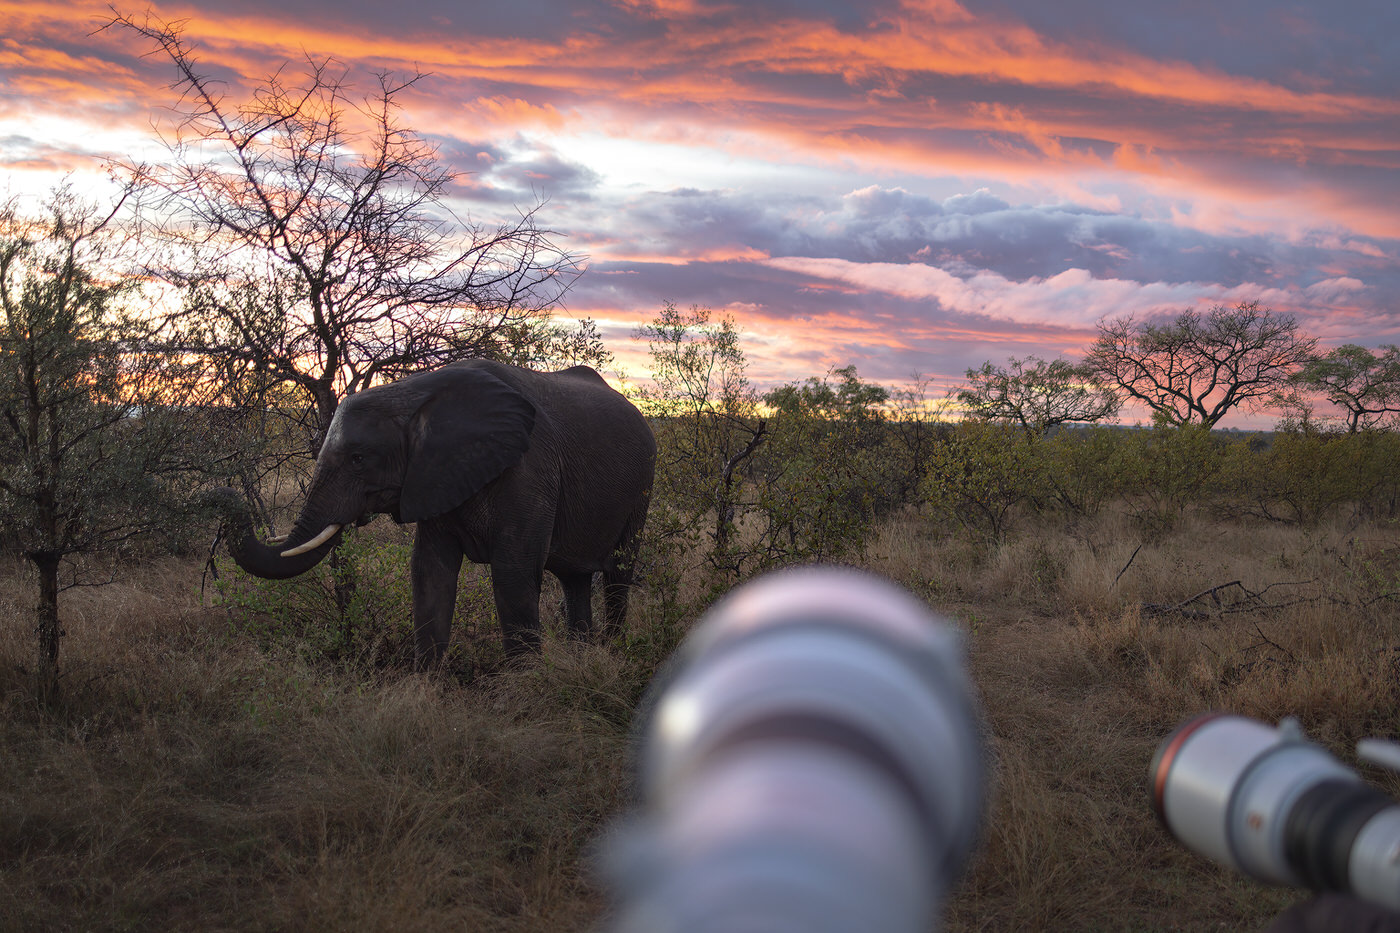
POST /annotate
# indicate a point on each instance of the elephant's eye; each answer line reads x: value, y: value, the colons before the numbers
x: 357, y: 460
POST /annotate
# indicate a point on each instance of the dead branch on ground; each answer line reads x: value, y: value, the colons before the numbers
x: 1228, y: 598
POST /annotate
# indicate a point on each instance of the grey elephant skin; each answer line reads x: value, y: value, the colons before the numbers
x: 520, y: 470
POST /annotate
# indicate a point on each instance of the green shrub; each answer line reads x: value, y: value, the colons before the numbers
x: 1167, y: 468
x: 823, y: 477
x: 1084, y: 469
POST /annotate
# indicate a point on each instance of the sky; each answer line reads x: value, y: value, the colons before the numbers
x: 912, y: 187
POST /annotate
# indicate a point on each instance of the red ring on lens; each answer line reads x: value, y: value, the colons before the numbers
x: 1166, y: 753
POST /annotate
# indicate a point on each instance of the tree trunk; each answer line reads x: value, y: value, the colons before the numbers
x: 46, y: 616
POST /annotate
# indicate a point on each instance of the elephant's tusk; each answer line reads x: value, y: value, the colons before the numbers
x: 326, y: 534
x: 278, y: 540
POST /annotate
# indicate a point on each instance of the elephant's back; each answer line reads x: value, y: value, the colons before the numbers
x: 605, y: 455
x: 591, y: 413
x: 596, y: 438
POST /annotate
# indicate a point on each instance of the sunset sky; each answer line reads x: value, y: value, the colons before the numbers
x: 912, y: 187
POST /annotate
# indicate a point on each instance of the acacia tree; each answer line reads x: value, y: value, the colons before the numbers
x: 1196, y: 367
x: 1037, y: 394
x: 1363, y: 384
x: 96, y: 442
x: 310, y: 230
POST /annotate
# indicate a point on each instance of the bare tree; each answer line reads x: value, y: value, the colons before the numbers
x: 1363, y: 384
x: 1197, y: 367
x: 98, y: 431
x: 310, y: 231
x: 1037, y: 395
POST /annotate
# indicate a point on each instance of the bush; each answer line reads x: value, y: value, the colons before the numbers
x: 1305, y: 476
x: 983, y: 474
x: 1084, y: 470
x: 1166, y: 469
x: 822, y: 477
x: 369, y: 626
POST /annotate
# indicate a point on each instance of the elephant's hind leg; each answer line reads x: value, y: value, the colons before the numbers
x: 617, y: 585
x: 578, y: 602
x: 618, y: 572
x: 615, y: 592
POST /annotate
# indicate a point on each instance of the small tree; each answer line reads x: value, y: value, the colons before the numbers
x: 915, y: 426
x: 822, y: 475
x: 1363, y: 384
x: 1037, y: 395
x: 1197, y: 367
x: 311, y: 231
x: 96, y: 443
x: 705, y: 416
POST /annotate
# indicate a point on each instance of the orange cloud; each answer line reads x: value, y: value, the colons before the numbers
x: 717, y: 68
x: 513, y: 113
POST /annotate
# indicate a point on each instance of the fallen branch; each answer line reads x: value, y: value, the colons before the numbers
x: 1250, y: 601
x: 1213, y: 592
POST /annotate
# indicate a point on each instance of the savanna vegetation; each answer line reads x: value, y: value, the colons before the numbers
x: 215, y: 752
x: 234, y: 754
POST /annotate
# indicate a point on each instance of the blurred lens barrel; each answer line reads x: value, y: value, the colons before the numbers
x: 1267, y: 802
x: 812, y: 761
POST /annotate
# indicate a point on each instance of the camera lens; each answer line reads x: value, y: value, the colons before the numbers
x: 1267, y: 802
x: 812, y: 761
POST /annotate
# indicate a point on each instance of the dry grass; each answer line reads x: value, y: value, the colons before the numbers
x: 1080, y: 685
x: 184, y: 778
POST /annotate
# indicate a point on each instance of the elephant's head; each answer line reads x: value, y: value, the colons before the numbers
x: 414, y: 449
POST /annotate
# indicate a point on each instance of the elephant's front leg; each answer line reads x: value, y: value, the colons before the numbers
x: 436, y: 564
x: 515, y: 582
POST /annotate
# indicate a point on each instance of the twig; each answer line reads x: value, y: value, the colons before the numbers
x: 1126, y: 566
x: 1269, y: 641
x: 210, y: 568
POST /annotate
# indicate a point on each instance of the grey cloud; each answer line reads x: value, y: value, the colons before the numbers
x: 27, y: 153
x: 547, y: 174
x: 555, y: 20
x: 499, y: 173
x: 964, y: 233
x: 1346, y: 46
x: 542, y: 19
x: 932, y: 339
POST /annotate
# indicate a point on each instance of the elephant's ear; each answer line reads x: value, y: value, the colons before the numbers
x: 460, y: 439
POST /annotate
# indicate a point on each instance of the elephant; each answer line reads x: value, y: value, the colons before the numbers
x: 523, y: 471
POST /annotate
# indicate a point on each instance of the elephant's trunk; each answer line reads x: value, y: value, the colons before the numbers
x: 257, y: 557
